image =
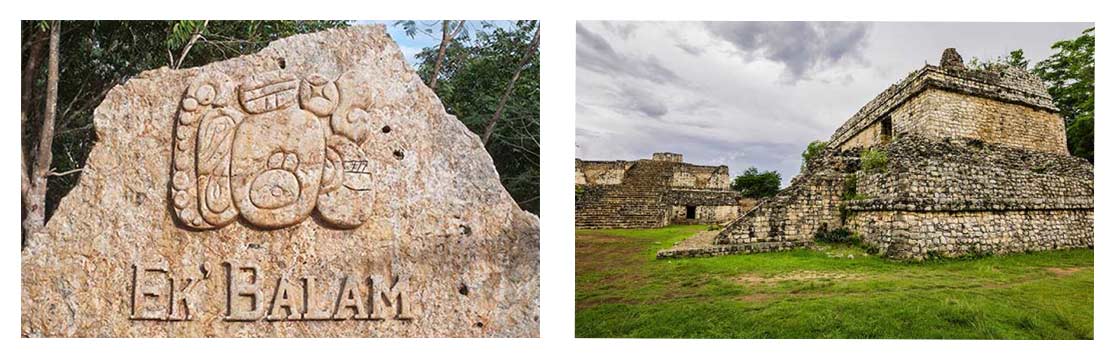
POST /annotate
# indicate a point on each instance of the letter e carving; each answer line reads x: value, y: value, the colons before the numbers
x: 150, y: 282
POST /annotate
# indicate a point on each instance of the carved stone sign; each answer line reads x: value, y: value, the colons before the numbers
x: 157, y: 294
x: 316, y: 188
x: 269, y: 159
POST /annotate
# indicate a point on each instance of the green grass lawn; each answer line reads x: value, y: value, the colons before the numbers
x: 623, y: 291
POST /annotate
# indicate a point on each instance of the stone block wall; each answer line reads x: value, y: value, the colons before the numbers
x: 601, y: 172
x: 712, y: 207
x: 946, y: 198
x: 668, y: 156
x: 928, y: 174
x: 1005, y: 105
x: 700, y: 177
x: 810, y: 204
x: 867, y: 137
x: 705, y: 214
x: 933, y: 198
x: 942, y: 113
x: 918, y: 235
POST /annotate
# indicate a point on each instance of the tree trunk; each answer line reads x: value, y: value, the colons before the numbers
x: 30, y: 69
x: 446, y: 38
x: 189, y: 45
x: 34, y: 48
x: 510, y: 86
x: 34, y: 202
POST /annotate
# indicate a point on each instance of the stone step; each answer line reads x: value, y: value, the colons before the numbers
x: 749, y: 248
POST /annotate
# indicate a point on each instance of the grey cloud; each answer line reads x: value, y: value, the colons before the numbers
x: 624, y: 29
x: 729, y: 112
x: 690, y: 48
x: 800, y: 46
x: 643, y: 101
x: 593, y: 52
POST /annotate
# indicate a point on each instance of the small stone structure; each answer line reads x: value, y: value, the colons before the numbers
x: 962, y: 162
x: 653, y: 193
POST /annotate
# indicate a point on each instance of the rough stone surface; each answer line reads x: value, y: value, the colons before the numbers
x: 316, y: 188
x: 791, y: 217
x: 965, y: 197
x: 990, y: 105
x: 974, y: 162
x: 653, y: 192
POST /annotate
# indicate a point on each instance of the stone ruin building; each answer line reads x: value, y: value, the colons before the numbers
x: 962, y: 162
x: 654, y: 192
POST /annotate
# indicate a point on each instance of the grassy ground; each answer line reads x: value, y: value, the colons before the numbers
x: 622, y: 291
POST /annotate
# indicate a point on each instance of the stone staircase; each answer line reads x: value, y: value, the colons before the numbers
x: 636, y: 203
x: 789, y: 219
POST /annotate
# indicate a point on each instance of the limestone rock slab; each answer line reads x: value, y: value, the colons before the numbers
x: 317, y: 188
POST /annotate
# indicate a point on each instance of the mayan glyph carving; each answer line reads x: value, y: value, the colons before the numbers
x: 347, y: 195
x: 286, y: 147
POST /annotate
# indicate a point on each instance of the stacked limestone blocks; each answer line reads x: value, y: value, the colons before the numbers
x: 636, y: 202
x: 652, y: 193
x: 789, y: 219
x: 965, y: 197
x: 975, y: 163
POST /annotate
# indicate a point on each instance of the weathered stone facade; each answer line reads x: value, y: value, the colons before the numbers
x: 653, y: 193
x: 975, y: 162
x: 1007, y: 106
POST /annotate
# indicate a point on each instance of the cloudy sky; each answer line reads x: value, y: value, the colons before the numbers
x: 756, y: 93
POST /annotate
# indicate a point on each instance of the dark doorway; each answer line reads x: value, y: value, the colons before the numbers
x: 887, y: 129
x: 690, y: 212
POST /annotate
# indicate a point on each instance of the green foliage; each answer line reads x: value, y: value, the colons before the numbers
x: 1070, y: 77
x: 873, y: 160
x: 95, y: 56
x: 851, y: 189
x: 1016, y: 58
x: 473, y: 76
x: 850, y: 186
x: 813, y: 150
x: 754, y: 184
x: 838, y: 236
x: 623, y: 291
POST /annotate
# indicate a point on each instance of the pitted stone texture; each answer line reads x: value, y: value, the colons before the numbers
x: 1005, y: 105
x: 951, y: 59
x: 440, y: 215
x: 277, y: 160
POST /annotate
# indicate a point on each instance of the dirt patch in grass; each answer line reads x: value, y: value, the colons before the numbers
x: 1058, y: 271
x: 751, y: 279
x: 699, y: 240
x: 757, y: 297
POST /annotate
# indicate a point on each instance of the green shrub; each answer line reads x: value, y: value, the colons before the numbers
x: 871, y: 249
x: 755, y: 184
x: 838, y: 236
x: 873, y: 160
x: 812, y: 151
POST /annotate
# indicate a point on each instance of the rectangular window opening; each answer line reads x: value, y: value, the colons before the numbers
x: 887, y: 129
